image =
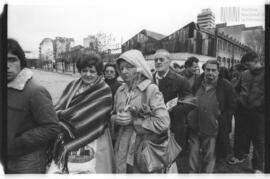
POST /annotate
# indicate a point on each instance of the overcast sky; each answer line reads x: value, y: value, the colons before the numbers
x: 31, y: 21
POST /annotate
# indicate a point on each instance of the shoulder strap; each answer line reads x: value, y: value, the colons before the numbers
x: 145, y: 94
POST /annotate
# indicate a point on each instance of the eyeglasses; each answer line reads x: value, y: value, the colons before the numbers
x: 109, y: 71
x: 159, y: 59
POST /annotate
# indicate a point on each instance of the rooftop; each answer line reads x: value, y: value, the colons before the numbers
x: 154, y: 35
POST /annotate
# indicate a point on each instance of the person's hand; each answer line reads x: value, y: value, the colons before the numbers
x: 138, y: 126
x: 123, y: 118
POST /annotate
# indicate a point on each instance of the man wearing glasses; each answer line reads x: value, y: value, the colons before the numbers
x: 176, y: 91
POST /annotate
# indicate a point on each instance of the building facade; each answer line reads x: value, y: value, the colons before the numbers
x: 61, y: 45
x: 46, y: 50
x: 145, y: 40
x: 90, y: 42
x: 206, y: 19
x: 191, y: 40
x: 50, y: 50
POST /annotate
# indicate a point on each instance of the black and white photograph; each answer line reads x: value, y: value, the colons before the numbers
x: 134, y: 87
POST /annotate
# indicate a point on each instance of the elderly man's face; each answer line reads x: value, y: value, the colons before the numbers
x: 211, y: 72
x: 13, y: 66
x: 162, y: 63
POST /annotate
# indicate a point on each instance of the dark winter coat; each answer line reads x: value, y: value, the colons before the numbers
x: 226, y: 97
x: 114, y: 85
x: 32, y: 124
x: 227, y: 100
x: 174, y: 85
x: 252, y: 90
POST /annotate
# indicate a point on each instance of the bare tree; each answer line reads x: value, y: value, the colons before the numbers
x: 104, y: 41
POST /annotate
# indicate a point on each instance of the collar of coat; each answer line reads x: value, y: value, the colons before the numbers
x: 170, y: 74
x: 200, y: 80
x: 21, y: 79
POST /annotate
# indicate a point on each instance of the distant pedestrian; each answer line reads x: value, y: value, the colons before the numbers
x: 216, y: 101
x: 224, y: 72
x: 32, y: 123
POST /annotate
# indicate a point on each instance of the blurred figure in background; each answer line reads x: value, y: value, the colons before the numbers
x: 177, y: 68
x: 111, y: 75
x: 242, y: 140
x: 224, y: 72
x: 252, y: 104
x: 191, y: 70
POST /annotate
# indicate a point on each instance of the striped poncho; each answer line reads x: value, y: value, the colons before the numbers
x: 83, y: 116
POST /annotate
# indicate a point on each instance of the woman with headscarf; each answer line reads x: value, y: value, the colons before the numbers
x: 84, y: 109
x: 128, y: 103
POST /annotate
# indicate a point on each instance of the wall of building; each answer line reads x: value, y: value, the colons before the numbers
x: 47, y: 50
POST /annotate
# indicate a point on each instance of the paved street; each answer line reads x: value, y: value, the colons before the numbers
x: 56, y: 82
x: 53, y: 81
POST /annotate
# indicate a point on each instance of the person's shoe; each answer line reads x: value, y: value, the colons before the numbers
x: 258, y: 172
x: 235, y: 160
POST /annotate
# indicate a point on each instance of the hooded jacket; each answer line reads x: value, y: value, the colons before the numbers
x: 146, y: 99
x: 136, y: 58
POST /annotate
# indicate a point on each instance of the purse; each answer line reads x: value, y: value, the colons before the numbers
x: 155, y: 155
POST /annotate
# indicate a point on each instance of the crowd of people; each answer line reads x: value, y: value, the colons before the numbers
x: 147, y: 122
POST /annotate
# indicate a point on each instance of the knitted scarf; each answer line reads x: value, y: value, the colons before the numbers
x: 83, y: 117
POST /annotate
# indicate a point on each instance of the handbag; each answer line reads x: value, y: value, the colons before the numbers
x: 155, y: 155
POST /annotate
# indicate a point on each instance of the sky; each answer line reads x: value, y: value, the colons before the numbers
x: 29, y: 21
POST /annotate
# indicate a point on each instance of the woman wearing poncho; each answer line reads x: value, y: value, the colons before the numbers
x: 128, y: 99
x: 84, y: 112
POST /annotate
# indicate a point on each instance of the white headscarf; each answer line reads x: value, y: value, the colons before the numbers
x: 135, y: 57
